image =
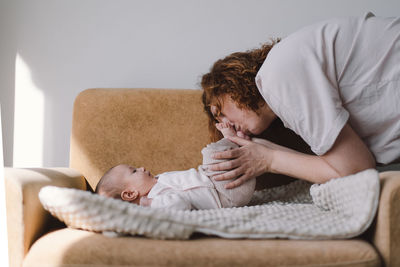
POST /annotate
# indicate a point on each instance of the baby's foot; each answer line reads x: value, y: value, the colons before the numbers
x: 226, y: 129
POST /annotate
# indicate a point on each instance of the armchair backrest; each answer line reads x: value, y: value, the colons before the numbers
x: 160, y: 129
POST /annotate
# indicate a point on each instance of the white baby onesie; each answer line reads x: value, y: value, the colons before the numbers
x: 184, y: 190
x: 196, y: 189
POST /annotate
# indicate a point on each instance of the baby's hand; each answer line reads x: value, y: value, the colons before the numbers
x: 226, y: 129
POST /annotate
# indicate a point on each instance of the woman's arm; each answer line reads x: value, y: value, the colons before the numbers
x: 347, y: 156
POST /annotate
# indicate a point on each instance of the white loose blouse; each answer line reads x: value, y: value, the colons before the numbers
x: 337, y: 71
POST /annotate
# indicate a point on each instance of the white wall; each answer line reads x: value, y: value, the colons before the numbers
x: 54, y: 49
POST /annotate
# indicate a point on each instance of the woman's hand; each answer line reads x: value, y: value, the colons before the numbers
x: 246, y: 162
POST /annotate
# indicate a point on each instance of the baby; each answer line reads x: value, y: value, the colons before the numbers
x: 183, y: 190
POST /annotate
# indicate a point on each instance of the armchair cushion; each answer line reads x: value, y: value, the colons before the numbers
x: 76, y: 248
x: 386, y: 229
x: 26, y: 218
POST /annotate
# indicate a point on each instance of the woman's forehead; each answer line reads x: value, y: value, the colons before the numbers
x: 219, y: 103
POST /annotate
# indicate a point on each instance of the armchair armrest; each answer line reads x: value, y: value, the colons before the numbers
x: 386, y: 233
x: 26, y: 218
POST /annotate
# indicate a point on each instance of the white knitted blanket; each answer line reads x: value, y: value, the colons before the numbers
x: 341, y: 208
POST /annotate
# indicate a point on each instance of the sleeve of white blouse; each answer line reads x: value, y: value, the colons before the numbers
x: 298, y: 82
x: 174, y: 201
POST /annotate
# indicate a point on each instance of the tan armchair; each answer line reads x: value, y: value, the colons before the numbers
x: 163, y: 129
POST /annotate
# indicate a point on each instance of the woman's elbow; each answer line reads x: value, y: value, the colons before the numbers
x: 347, y: 166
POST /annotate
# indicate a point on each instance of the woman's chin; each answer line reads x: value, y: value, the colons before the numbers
x: 253, y: 132
x: 258, y: 131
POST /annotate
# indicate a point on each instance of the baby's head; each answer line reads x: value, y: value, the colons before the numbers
x: 126, y: 183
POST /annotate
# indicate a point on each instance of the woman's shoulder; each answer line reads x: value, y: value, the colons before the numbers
x: 318, y: 35
x: 313, y: 43
x: 286, y: 56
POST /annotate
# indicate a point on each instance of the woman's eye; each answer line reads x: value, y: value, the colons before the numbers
x: 134, y: 170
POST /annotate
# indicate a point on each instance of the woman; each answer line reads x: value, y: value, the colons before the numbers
x: 336, y: 84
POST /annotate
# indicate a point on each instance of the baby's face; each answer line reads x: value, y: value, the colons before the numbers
x: 128, y: 183
x: 131, y: 176
x: 133, y: 179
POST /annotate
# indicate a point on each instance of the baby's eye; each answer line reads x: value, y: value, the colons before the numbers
x: 134, y: 170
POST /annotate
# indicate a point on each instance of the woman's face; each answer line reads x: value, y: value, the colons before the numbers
x: 244, y: 120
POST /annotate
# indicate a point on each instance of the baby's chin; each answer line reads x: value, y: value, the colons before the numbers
x: 150, y: 175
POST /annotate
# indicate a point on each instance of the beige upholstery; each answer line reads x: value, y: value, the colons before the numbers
x: 76, y: 248
x: 26, y: 218
x: 162, y: 130
x: 386, y: 233
x: 165, y: 130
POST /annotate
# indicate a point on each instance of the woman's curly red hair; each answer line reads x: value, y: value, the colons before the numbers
x: 234, y: 75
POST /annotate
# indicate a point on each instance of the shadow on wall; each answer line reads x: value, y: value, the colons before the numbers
x: 7, y: 108
x: 7, y: 74
x: 49, y: 63
x: 64, y: 50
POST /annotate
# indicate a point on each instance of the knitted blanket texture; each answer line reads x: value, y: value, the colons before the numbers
x: 341, y: 208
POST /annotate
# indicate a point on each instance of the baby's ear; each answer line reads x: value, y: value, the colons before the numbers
x: 129, y: 195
